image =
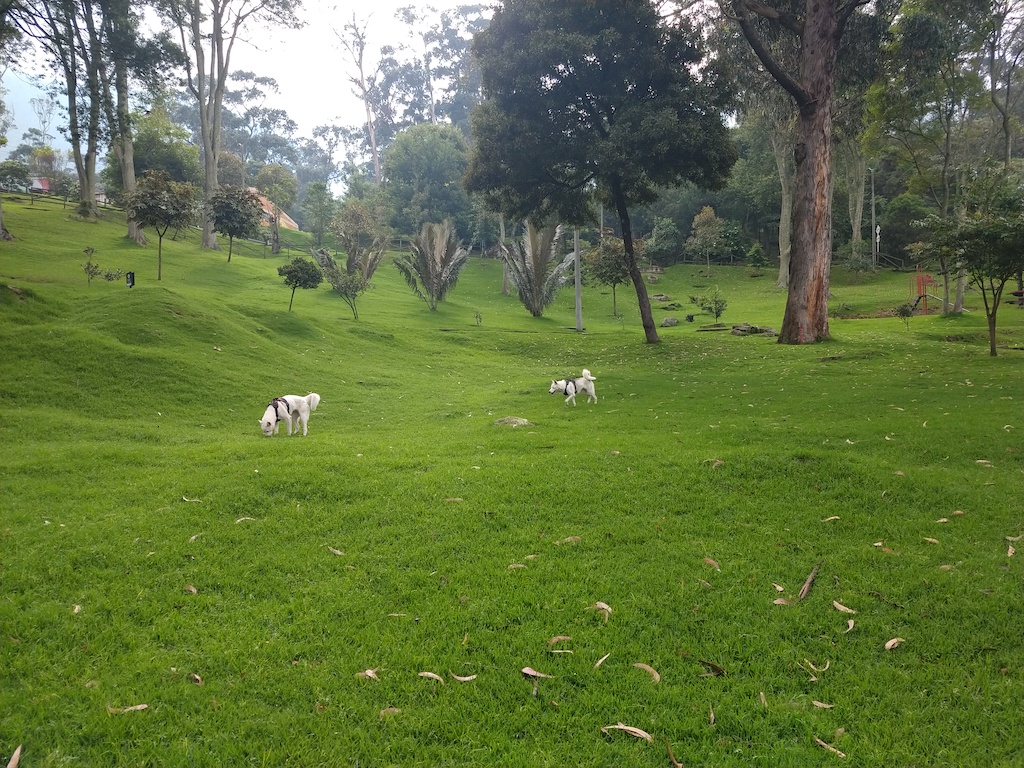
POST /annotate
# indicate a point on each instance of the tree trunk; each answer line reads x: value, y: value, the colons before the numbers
x: 856, y: 172
x: 806, y: 317
x: 783, y: 153
x: 650, y: 330
x: 292, y: 298
x: 501, y: 248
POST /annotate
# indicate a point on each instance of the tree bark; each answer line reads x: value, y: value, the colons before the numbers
x: 783, y: 153
x: 806, y: 316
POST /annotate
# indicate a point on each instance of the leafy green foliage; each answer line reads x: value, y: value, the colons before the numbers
x: 535, y: 267
x: 236, y: 212
x: 712, y: 303
x: 319, y: 207
x: 350, y: 286
x: 14, y: 175
x: 362, y: 232
x: 435, y: 259
x: 423, y: 168
x: 987, y: 240
x: 300, y: 273
x: 607, y: 265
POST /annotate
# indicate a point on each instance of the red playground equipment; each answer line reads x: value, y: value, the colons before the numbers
x: 919, y: 285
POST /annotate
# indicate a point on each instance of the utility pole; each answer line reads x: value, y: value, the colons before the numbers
x: 579, y: 280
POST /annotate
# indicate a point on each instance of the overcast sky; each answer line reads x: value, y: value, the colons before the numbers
x: 308, y: 64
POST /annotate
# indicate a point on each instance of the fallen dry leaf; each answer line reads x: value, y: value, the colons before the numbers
x: 894, y: 643
x: 778, y: 587
x: 712, y: 563
x: 764, y: 701
x: 712, y: 717
x: 193, y: 677
x: 602, y: 608
x: 946, y: 567
x: 672, y: 757
x: 830, y: 519
x: 192, y: 539
x: 334, y: 551
x: 76, y: 609
x: 123, y: 710
x: 630, y: 730
x: 242, y: 519
x: 15, y: 758
x: 1013, y: 538
x: 806, y: 588
x: 515, y: 566
x: 530, y: 672
x: 649, y: 670
x: 601, y: 660
x: 842, y: 608
x: 984, y: 462
x: 822, y: 705
x: 190, y: 589
x: 368, y: 674
x: 829, y: 747
x: 930, y: 540
x: 717, y: 463
x: 819, y: 670
x: 1010, y: 551
x: 432, y: 676
x: 453, y: 499
x: 461, y: 679
x: 569, y: 540
x: 849, y: 625
x: 781, y: 601
x: 558, y: 639
x: 942, y: 520
x: 958, y: 512
x: 390, y: 711
x: 715, y: 669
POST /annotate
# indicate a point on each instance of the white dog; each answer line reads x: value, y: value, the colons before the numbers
x: 293, y: 410
x: 569, y: 387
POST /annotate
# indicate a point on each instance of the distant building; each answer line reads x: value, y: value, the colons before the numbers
x: 287, y: 222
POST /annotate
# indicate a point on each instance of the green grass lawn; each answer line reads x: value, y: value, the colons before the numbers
x: 157, y: 549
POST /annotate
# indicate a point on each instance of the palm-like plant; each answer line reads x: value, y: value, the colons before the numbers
x: 534, y: 268
x: 432, y: 266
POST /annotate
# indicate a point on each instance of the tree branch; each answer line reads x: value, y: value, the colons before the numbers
x: 783, y: 78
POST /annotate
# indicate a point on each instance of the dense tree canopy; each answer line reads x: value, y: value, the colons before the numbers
x: 593, y: 97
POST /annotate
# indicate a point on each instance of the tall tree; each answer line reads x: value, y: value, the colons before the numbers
x: 352, y: 37
x: 535, y: 267
x: 208, y: 30
x: 818, y: 26
x: 596, y: 96
x: 423, y: 169
x: 162, y: 204
x: 279, y: 185
x: 318, y: 208
x: 435, y: 259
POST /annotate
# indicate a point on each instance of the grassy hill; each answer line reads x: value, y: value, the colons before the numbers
x: 156, y: 548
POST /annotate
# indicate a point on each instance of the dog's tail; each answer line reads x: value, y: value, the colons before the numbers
x: 587, y: 376
x: 313, y: 399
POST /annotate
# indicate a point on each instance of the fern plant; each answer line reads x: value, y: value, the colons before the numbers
x: 534, y: 267
x: 432, y: 266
